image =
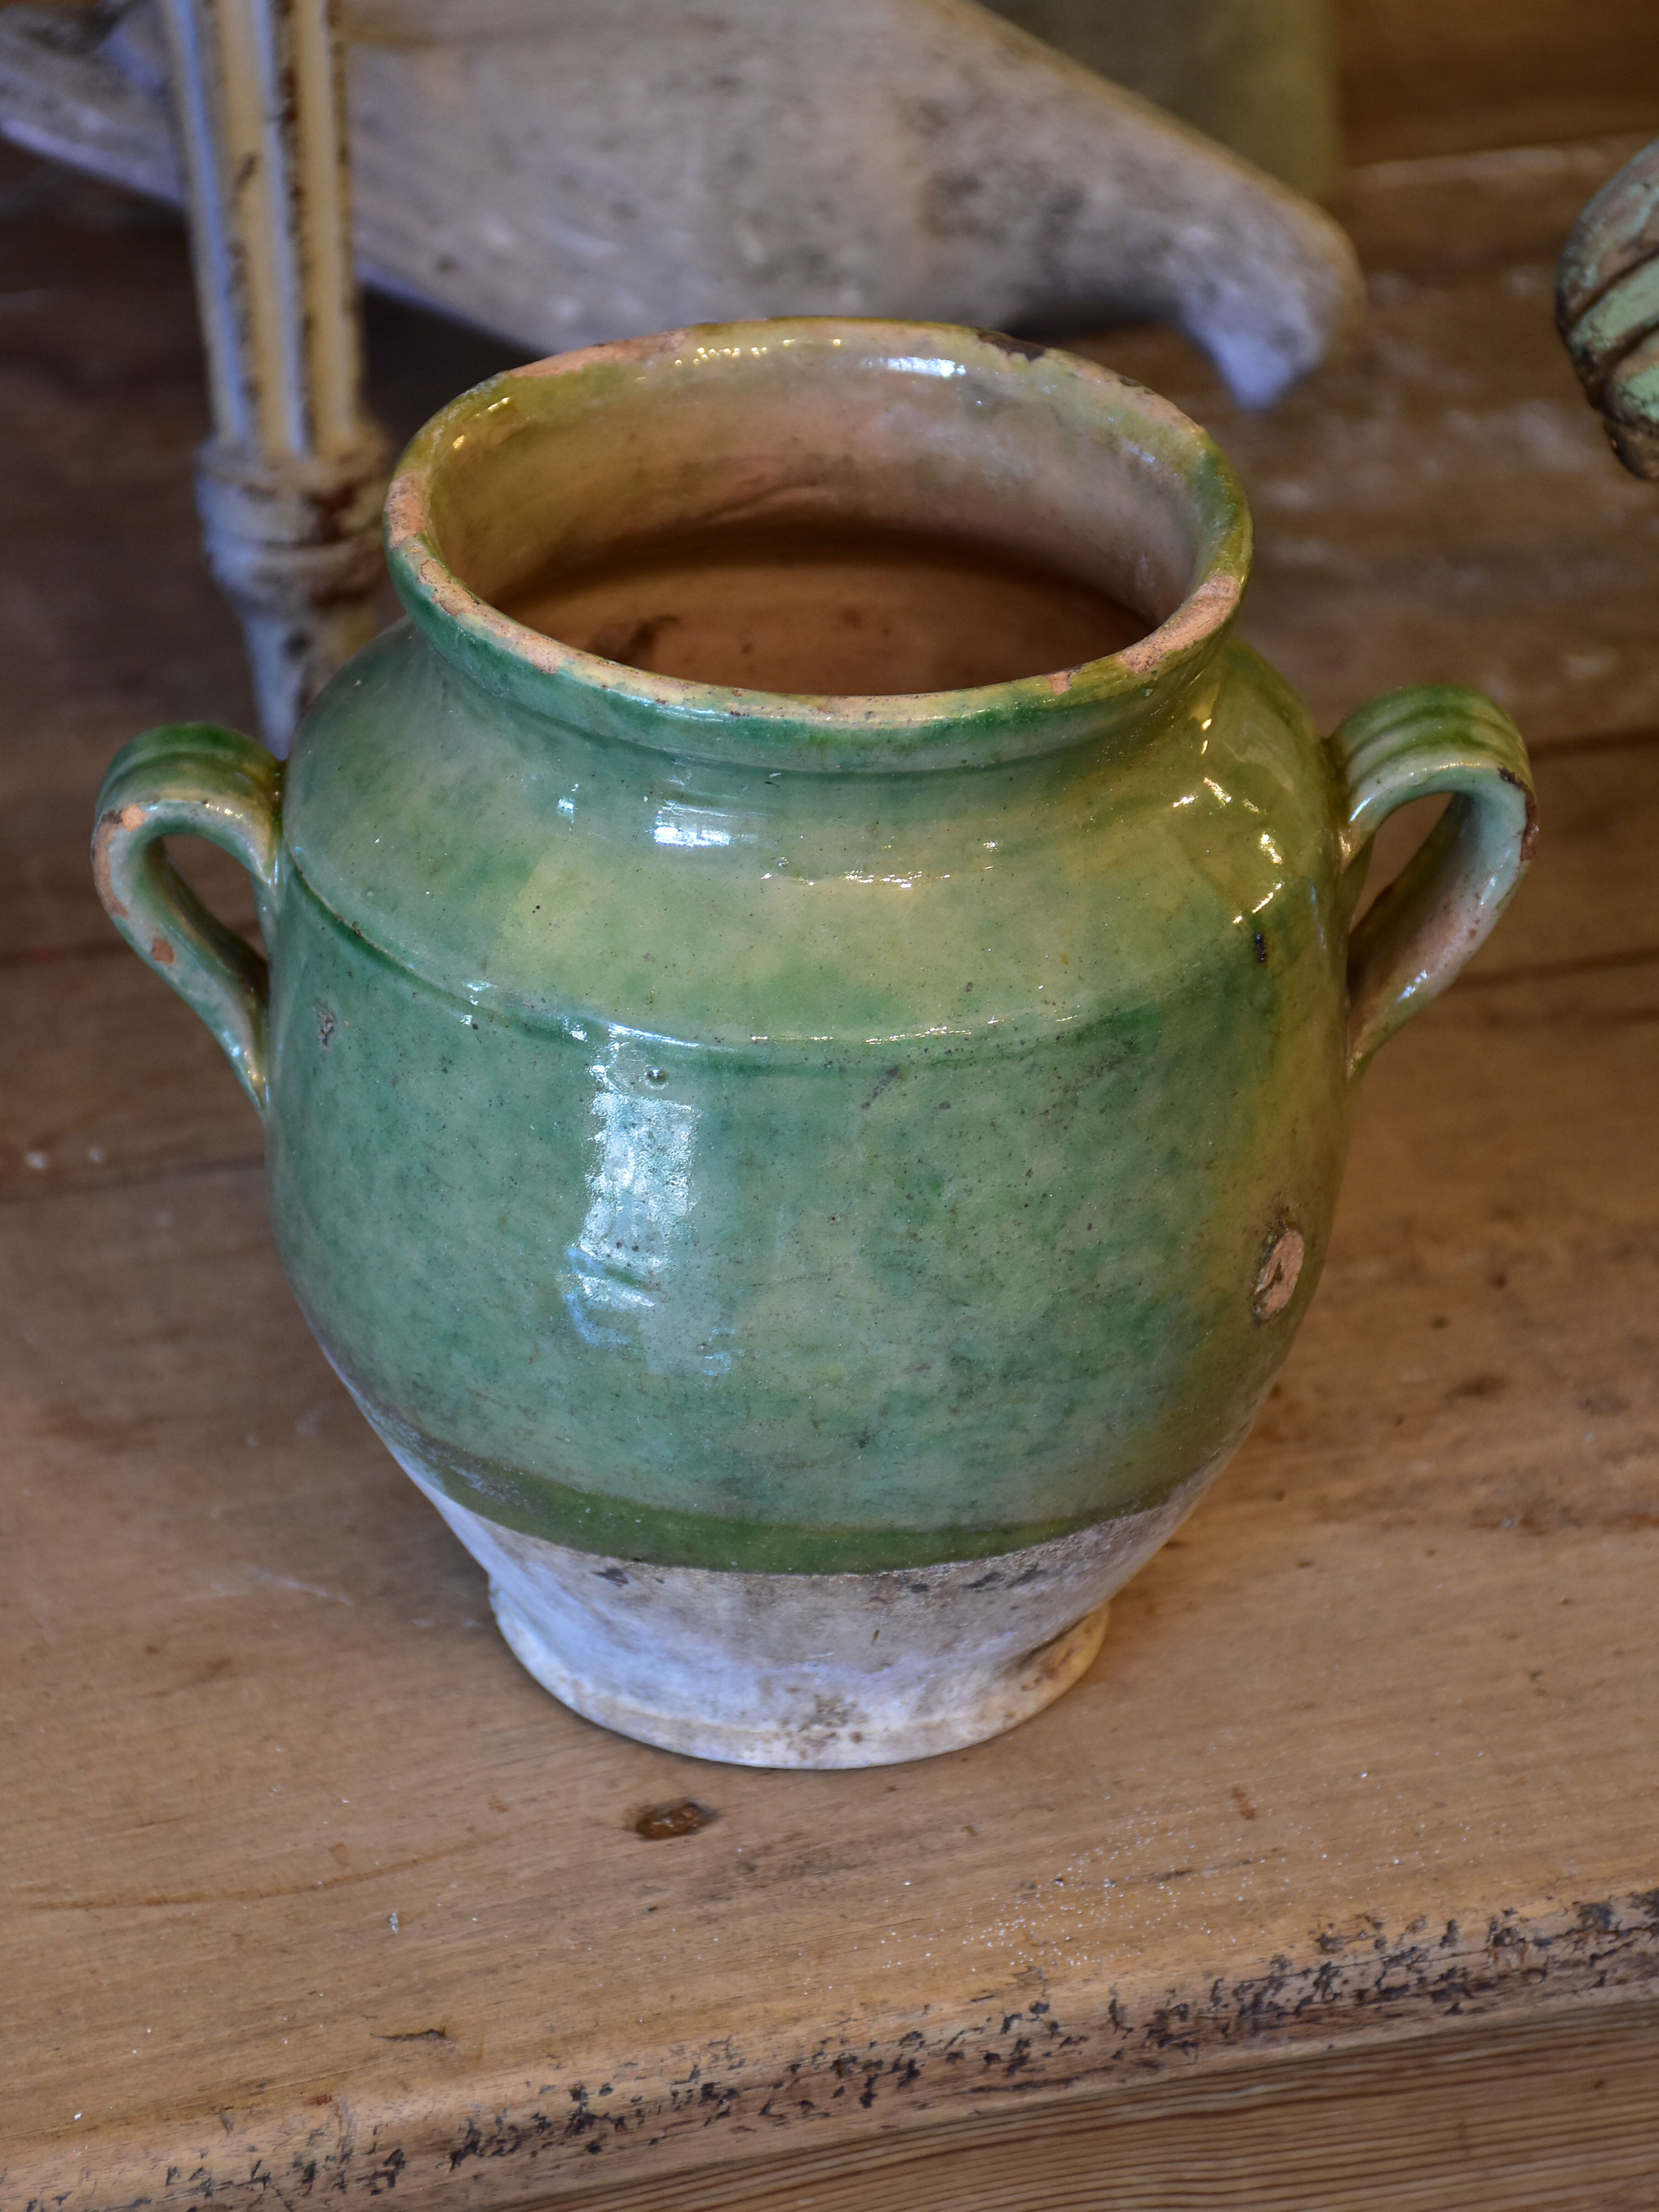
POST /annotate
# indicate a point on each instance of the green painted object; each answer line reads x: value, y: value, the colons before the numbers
x: 1607, y: 308
x: 797, y: 1136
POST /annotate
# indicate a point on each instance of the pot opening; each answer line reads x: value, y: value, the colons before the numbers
x: 823, y: 606
x: 824, y: 511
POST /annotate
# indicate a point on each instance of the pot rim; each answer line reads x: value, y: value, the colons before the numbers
x: 982, y: 725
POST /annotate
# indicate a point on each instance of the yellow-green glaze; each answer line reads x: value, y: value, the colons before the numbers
x: 802, y: 1135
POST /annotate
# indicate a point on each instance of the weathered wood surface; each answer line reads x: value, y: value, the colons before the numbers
x: 1421, y: 78
x: 309, y: 1888
x: 1543, y: 2116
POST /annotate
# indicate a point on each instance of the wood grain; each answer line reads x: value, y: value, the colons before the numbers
x: 1556, y: 2115
x: 1336, y: 1878
x: 1422, y: 79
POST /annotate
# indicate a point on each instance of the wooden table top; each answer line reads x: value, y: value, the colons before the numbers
x: 310, y: 1891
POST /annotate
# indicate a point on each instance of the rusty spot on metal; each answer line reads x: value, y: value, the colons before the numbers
x: 161, y: 951
x: 682, y: 1816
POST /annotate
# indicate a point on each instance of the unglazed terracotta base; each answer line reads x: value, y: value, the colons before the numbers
x: 809, y: 1670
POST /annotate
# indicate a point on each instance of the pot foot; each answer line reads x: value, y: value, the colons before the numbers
x: 800, y: 1670
x: 812, y: 1716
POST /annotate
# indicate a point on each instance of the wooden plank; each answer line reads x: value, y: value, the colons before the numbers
x: 1420, y: 79
x: 107, y: 1082
x: 111, y: 621
x: 1557, y: 2115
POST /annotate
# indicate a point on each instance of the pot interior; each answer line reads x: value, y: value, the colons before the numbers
x: 824, y: 509
x: 824, y: 607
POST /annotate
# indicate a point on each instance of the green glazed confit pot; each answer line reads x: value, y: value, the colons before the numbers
x: 811, y: 1187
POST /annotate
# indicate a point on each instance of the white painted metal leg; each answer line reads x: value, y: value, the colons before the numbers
x: 290, y: 483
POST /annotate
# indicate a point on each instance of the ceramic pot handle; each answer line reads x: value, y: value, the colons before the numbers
x: 193, y: 780
x: 1440, y: 908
